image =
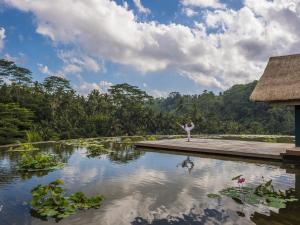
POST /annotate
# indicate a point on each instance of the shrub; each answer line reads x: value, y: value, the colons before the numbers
x: 33, y: 136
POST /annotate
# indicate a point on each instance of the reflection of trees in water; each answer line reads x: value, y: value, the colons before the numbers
x: 123, y: 153
x: 62, y: 151
x: 213, y: 216
x: 7, y: 176
x: 8, y: 172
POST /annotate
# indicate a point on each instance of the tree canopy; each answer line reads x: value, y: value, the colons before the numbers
x: 54, y: 110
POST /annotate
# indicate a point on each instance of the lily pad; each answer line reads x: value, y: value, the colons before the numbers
x: 216, y: 196
x: 50, y: 201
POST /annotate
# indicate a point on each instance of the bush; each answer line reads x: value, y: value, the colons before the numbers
x: 33, y: 136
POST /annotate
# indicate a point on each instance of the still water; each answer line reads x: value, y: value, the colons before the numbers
x: 145, y: 187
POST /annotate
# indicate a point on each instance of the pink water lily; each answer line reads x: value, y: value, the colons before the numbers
x: 241, y: 180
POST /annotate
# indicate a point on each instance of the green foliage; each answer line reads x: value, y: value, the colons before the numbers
x: 127, y: 140
x: 264, y: 194
x: 55, y: 84
x: 215, y: 196
x: 94, y: 147
x: 96, y: 150
x: 38, y: 162
x: 151, y: 138
x: 15, y: 120
x: 55, y: 111
x: 33, y: 136
x: 50, y: 201
x: 242, y: 195
x: 14, y: 73
x: 23, y: 147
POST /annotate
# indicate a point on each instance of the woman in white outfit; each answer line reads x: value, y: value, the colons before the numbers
x: 188, y: 129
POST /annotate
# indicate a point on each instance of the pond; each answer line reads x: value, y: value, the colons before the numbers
x: 148, y: 187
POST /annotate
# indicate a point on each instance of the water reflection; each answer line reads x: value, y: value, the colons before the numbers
x: 8, y: 162
x: 212, y: 216
x: 146, y: 188
x: 288, y: 215
x: 187, y: 163
x: 124, y: 153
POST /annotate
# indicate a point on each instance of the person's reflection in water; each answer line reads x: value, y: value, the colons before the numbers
x: 187, y: 163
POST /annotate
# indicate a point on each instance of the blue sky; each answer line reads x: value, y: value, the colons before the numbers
x: 160, y: 46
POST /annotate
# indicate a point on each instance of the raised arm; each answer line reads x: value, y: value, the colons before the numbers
x: 181, y: 125
x: 193, y: 125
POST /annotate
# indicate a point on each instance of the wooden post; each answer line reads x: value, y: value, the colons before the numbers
x: 297, y: 125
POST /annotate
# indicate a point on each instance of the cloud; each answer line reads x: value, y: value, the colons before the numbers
x: 2, y: 37
x: 20, y: 58
x: 225, y: 47
x: 189, y: 12
x: 71, y: 69
x: 75, y: 62
x: 140, y: 7
x: 44, y: 69
x: 157, y: 93
x: 85, y: 87
x: 203, y: 3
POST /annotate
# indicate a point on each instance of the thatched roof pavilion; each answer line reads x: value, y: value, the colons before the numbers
x: 280, y: 81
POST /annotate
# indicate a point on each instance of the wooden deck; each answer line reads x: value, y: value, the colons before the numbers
x: 263, y: 150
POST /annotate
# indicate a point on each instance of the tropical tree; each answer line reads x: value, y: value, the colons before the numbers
x: 14, y: 123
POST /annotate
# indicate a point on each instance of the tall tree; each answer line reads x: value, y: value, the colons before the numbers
x: 15, y: 120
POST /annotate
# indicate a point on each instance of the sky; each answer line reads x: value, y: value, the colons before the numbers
x: 158, y: 45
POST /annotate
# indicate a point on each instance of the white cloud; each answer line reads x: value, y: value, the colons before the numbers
x: 75, y: 62
x: 140, y: 7
x: 20, y: 58
x: 227, y: 47
x: 203, y: 3
x: 85, y: 87
x: 71, y: 69
x: 44, y: 69
x: 189, y: 12
x: 2, y: 37
x: 157, y: 93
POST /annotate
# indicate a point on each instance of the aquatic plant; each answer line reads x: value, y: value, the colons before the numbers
x: 127, y: 140
x: 96, y: 150
x: 151, y: 138
x: 39, y: 162
x: 50, y: 201
x: 23, y: 147
x: 237, y: 177
x: 241, y: 180
x: 264, y: 194
x: 216, y: 196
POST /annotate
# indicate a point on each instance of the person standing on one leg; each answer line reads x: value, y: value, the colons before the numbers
x: 188, y: 129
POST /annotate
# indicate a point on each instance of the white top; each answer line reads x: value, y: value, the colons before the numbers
x: 188, y: 128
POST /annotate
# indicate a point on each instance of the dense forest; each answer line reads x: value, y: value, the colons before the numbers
x: 52, y: 110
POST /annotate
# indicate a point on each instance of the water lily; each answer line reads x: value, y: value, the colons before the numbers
x: 241, y: 180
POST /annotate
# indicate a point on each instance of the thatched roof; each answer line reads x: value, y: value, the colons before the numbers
x: 280, y: 81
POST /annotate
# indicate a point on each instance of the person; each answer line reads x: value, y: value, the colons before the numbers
x: 188, y: 129
x: 187, y: 163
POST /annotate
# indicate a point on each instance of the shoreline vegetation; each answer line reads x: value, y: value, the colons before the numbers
x: 132, y: 139
x: 51, y: 110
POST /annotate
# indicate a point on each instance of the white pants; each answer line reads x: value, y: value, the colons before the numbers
x: 189, y: 135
